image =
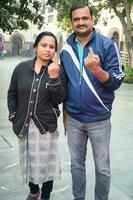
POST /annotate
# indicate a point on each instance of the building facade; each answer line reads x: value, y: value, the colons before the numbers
x: 21, y: 42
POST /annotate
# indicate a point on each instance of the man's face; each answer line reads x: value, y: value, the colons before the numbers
x: 82, y: 22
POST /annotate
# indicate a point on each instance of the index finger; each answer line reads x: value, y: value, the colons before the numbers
x: 56, y: 59
x: 91, y: 53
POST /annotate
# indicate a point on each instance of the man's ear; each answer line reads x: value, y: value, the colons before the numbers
x: 93, y: 19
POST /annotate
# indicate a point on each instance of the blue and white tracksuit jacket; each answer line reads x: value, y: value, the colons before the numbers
x: 90, y: 100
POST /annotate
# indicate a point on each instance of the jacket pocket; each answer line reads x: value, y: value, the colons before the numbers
x: 17, y: 122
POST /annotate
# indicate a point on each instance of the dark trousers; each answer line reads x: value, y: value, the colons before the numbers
x: 46, y: 189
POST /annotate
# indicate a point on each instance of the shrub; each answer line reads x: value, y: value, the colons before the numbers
x: 129, y: 74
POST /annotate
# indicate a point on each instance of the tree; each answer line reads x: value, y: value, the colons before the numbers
x: 63, y: 8
x: 122, y: 9
x: 15, y: 14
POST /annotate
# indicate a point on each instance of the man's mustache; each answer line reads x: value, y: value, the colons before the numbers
x: 82, y: 26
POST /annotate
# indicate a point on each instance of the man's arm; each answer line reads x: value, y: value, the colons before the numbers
x: 113, y: 75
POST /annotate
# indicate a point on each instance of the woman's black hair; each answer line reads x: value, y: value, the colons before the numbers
x: 41, y: 35
x: 79, y: 5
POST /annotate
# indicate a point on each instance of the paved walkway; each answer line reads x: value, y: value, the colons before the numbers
x: 121, y: 149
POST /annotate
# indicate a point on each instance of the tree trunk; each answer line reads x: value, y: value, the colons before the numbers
x: 127, y: 32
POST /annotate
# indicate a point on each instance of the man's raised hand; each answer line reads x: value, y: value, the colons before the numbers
x: 92, y: 61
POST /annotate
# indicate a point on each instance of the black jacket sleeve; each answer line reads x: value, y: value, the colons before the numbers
x: 12, y: 95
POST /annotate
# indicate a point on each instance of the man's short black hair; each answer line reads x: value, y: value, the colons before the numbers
x: 79, y: 5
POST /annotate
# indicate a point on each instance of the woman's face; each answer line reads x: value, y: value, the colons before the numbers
x: 45, y: 49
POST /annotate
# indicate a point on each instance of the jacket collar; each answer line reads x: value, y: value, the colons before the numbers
x: 32, y: 63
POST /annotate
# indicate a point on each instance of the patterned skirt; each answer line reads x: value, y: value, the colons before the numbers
x: 39, y: 156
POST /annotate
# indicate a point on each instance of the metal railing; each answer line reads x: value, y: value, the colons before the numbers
x: 124, y: 56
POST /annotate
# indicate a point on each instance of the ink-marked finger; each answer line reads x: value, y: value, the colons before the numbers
x: 56, y: 59
x: 91, y: 53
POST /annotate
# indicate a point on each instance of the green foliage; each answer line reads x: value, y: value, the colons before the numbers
x: 129, y: 75
x: 63, y: 8
x: 15, y: 14
x: 121, y: 8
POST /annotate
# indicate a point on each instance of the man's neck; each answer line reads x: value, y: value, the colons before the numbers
x: 84, y: 39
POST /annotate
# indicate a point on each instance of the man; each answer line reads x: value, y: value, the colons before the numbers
x: 94, y: 71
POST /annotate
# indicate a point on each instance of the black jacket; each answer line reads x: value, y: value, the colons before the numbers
x: 35, y: 96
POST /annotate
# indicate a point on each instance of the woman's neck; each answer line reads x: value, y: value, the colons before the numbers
x: 40, y: 62
x: 38, y: 65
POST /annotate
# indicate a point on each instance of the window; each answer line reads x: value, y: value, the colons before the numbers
x: 43, y: 9
x: 50, y: 9
x: 50, y: 19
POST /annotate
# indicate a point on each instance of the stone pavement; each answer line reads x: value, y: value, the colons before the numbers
x: 121, y: 149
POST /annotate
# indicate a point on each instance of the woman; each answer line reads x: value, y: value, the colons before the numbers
x: 37, y: 87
